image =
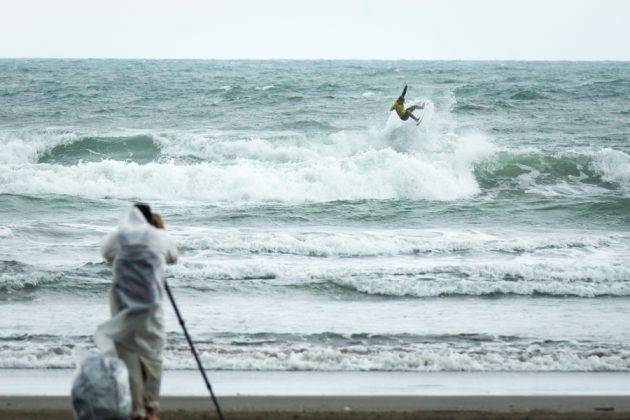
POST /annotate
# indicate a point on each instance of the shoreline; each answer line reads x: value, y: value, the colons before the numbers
x: 281, y: 395
x: 188, y: 383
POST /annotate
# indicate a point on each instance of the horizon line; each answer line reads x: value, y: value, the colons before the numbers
x: 318, y: 59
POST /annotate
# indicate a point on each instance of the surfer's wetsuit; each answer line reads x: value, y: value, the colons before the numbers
x: 400, y: 110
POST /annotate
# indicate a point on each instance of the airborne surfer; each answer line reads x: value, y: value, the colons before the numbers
x: 405, y: 113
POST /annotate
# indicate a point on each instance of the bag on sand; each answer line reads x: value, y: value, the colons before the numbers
x: 100, y: 390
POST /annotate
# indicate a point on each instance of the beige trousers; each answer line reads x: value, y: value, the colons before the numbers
x: 144, y: 381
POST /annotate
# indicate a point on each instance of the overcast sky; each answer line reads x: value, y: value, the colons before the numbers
x: 314, y: 29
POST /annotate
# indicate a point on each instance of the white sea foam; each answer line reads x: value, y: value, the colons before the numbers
x: 13, y: 282
x: 422, y: 357
x: 224, y: 148
x: 390, y: 242
x: 373, y: 174
x: 28, y: 146
x: 559, y: 189
x: 424, y: 277
x: 614, y: 166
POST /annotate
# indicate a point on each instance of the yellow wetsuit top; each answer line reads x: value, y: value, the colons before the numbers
x: 400, y: 109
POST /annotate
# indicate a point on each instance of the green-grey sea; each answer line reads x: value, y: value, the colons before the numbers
x: 318, y: 231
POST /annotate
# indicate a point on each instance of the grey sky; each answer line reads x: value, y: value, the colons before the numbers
x: 368, y: 29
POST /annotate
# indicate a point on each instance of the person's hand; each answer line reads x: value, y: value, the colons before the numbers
x: 157, y: 221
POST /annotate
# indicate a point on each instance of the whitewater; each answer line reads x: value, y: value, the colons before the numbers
x: 317, y: 231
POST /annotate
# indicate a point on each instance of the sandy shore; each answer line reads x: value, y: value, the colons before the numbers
x: 349, y: 407
x: 44, y: 394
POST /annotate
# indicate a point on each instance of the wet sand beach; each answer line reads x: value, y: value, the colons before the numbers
x: 349, y: 407
x: 347, y: 395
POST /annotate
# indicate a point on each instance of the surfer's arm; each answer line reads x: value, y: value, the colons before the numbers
x: 404, y: 92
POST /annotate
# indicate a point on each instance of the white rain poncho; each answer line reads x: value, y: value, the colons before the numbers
x: 139, y: 252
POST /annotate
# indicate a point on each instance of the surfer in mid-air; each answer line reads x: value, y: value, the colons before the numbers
x: 405, y: 113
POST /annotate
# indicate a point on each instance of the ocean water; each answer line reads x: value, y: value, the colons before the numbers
x: 317, y: 231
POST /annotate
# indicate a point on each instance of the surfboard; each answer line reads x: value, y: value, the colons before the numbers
x: 424, y: 108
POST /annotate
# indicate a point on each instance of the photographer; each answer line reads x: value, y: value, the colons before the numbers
x: 139, y: 249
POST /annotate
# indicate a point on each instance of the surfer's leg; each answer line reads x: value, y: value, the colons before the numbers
x: 414, y: 107
x: 409, y: 114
